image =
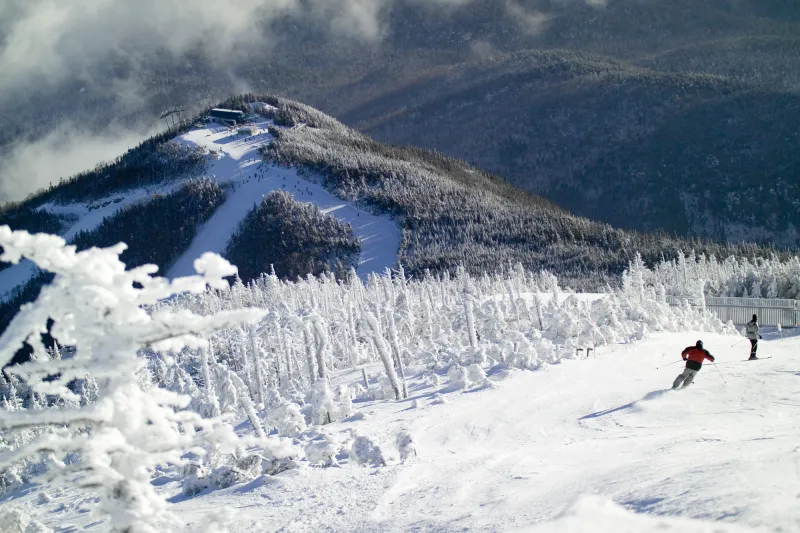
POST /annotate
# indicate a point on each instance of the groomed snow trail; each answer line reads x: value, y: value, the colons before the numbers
x: 584, y: 446
x: 239, y: 163
x: 517, y: 456
x: 727, y: 454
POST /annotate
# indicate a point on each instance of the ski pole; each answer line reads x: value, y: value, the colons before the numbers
x: 669, y: 364
x: 720, y: 372
x: 741, y: 341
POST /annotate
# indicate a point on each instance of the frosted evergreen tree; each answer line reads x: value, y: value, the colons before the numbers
x: 206, y: 353
x: 385, y: 355
x: 97, y: 308
x: 394, y: 343
x: 772, y: 289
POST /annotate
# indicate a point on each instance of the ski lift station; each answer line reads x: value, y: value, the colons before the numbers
x: 228, y: 117
x: 247, y: 130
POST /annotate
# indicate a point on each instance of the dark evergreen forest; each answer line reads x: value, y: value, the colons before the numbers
x: 291, y: 239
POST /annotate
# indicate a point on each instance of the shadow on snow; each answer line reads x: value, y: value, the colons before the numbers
x: 647, y: 397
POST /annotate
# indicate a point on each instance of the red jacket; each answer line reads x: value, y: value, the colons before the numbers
x: 695, y: 355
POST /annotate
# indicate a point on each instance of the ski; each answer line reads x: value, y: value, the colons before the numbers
x: 743, y: 361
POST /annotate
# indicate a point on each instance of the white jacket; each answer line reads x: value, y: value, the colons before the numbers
x: 752, y: 330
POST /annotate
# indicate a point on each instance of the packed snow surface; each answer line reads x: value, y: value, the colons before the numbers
x: 237, y: 160
x: 588, y: 445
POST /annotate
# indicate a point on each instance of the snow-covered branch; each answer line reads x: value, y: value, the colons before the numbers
x: 97, y: 308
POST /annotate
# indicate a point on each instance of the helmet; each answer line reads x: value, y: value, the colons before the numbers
x: 699, y: 344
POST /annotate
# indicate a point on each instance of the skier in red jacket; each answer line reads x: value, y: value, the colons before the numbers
x: 694, y: 357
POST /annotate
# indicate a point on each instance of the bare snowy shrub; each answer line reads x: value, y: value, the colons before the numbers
x: 245, y: 469
x: 286, y: 418
x: 194, y: 481
x: 406, y: 445
x: 433, y: 379
x: 15, y: 520
x: 322, y: 407
x: 477, y: 377
x: 322, y: 451
x: 438, y: 399
x: 364, y: 451
x: 383, y: 391
x: 198, y: 478
x: 275, y: 464
x: 458, y: 376
x: 345, y: 401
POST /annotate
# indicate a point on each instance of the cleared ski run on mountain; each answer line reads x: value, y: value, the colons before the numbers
x: 236, y: 160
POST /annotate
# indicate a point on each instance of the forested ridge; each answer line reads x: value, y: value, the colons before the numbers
x: 291, y: 240
x: 692, y: 154
x: 156, y: 230
x: 453, y: 214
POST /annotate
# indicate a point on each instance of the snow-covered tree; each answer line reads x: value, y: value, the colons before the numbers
x: 96, y: 306
x: 383, y: 350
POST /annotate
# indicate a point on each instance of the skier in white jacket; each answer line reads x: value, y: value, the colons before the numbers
x: 753, y: 332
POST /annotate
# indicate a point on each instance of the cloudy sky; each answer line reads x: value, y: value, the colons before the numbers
x: 44, y: 43
x: 47, y: 39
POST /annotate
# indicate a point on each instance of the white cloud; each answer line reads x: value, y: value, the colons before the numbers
x: 482, y: 49
x: 360, y: 18
x: 532, y: 22
x: 46, y: 42
x: 43, y: 40
x: 47, y: 39
x: 64, y: 152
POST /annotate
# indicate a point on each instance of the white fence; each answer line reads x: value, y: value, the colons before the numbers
x: 771, y: 312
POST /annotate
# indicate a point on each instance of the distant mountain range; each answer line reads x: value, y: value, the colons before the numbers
x: 689, y: 154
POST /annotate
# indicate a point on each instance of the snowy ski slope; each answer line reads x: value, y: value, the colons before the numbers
x: 235, y: 159
x: 238, y: 161
x: 548, y: 451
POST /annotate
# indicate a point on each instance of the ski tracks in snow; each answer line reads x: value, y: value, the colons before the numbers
x: 506, y: 459
x: 515, y: 457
